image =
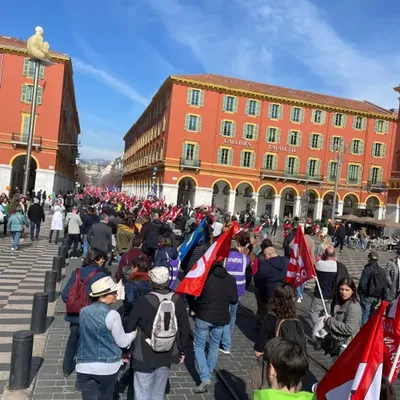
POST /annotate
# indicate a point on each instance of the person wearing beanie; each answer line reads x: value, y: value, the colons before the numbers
x: 36, y: 217
x: 372, y: 286
x: 151, y: 368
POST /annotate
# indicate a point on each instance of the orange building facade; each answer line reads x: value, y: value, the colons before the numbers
x: 235, y: 144
x: 54, y: 150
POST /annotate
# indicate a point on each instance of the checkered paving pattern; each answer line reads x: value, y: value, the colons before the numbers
x: 21, y: 275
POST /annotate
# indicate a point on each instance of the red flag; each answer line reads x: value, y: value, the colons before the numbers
x: 391, y: 330
x: 146, y: 208
x: 245, y: 228
x: 175, y: 214
x: 357, y: 373
x: 194, y: 281
x: 301, y: 267
x: 258, y: 228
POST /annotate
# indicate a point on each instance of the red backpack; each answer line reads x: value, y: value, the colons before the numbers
x: 77, y: 295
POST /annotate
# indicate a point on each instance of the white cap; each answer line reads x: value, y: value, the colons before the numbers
x: 159, y: 275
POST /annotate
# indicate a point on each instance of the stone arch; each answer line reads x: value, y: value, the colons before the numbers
x: 186, y: 190
x: 350, y: 203
x: 288, y: 198
x: 221, y: 189
x: 289, y: 187
x: 248, y: 183
x: 328, y: 203
x: 222, y: 180
x: 266, y: 199
x: 18, y: 172
x: 244, y: 196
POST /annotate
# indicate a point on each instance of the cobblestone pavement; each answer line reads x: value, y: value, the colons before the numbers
x: 21, y: 275
x: 232, y: 371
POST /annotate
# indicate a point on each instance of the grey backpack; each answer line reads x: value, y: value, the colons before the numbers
x: 165, y: 325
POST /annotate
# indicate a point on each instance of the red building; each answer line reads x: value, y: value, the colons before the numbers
x: 210, y: 139
x: 56, y: 127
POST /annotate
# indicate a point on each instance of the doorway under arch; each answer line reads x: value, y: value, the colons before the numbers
x: 287, y: 206
x: 372, y: 206
x: 186, y: 192
x: 17, y: 173
x: 350, y: 204
x: 328, y: 205
x: 221, y: 195
x: 266, y: 200
x: 244, y: 194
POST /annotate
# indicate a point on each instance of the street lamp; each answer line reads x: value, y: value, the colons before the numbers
x: 38, y: 50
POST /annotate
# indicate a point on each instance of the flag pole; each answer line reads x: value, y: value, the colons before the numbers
x: 322, y: 297
x: 394, y: 365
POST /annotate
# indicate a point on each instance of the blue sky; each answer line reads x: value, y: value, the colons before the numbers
x: 123, y: 50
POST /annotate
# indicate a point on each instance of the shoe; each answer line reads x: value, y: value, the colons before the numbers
x: 299, y: 300
x: 49, y: 241
x: 224, y: 351
x: 203, y: 387
x: 12, y: 249
x: 192, y: 314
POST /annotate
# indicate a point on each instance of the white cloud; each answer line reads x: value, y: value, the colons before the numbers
x: 114, y: 83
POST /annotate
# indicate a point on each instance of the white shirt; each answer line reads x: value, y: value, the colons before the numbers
x: 217, y: 228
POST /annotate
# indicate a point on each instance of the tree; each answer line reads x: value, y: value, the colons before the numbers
x: 81, y: 176
x: 112, y: 179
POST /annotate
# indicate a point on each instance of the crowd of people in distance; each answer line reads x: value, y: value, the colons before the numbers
x: 134, y: 322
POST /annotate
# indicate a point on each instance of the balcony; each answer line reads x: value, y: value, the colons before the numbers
x: 291, y: 176
x: 352, y: 181
x: 376, y: 186
x: 21, y: 140
x: 184, y: 163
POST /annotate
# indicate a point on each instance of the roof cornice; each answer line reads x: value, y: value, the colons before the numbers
x: 270, y: 97
x: 21, y: 51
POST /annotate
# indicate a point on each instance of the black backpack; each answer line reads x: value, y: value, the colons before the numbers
x: 291, y: 329
x: 377, y: 282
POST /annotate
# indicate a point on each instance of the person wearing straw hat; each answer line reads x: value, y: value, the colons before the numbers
x: 101, y: 337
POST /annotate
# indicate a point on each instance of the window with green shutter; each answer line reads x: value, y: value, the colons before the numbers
x: 359, y: 123
x: 292, y: 165
x: 275, y: 111
x: 227, y: 128
x: 353, y: 174
x: 378, y: 150
x: 294, y: 138
x: 313, y: 167
x: 25, y: 127
x: 252, y: 107
x: 318, y: 117
x: 225, y: 156
x: 315, y: 141
x: 270, y: 161
x: 192, y: 123
x: 273, y: 135
x: 376, y: 175
x: 230, y: 104
x: 194, y: 97
x: 357, y: 147
x: 250, y: 131
x: 297, y: 114
x: 339, y: 120
x: 381, y: 126
x: 29, y: 69
x: 332, y: 170
x: 247, y: 159
x: 335, y: 143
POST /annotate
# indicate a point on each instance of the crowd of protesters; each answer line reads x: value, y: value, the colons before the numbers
x: 148, y: 330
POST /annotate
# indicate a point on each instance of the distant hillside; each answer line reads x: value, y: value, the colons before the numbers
x: 98, y: 161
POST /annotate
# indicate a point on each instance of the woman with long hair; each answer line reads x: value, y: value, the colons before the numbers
x: 281, y: 319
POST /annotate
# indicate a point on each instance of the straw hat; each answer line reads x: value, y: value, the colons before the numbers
x: 103, y: 287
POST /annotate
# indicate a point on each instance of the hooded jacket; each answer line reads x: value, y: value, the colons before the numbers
x: 219, y: 292
x: 88, y: 221
x: 272, y: 394
x: 124, y: 238
x: 363, y: 286
x: 271, y: 273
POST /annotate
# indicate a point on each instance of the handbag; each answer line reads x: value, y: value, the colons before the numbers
x: 24, y: 227
x: 331, y: 345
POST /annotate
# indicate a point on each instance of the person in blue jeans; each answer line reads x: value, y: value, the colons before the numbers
x: 238, y: 265
x: 90, y: 272
x: 88, y: 220
x: 212, y: 314
x: 15, y: 225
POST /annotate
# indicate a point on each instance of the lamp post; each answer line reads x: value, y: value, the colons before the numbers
x: 38, y: 50
x: 339, y: 161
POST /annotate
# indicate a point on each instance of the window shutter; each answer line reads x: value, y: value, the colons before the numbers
x: 255, y: 132
x: 373, y: 149
x: 329, y: 172
x: 318, y: 168
x: 187, y: 118
x: 280, y: 111
x: 383, y: 150
x: 310, y: 141
x: 247, y: 110
x: 26, y: 67
x: 376, y: 125
x: 291, y: 113
x: 364, y: 124
x: 265, y: 161
x: 352, y: 146
x: 201, y: 98
x: 270, y: 110
x: 299, y: 136
x: 308, y: 166
x: 244, y: 131
x: 361, y: 148
x: 286, y: 163
x: 333, y: 119
x: 344, y: 119
x: 199, y: 122
x: 189, y: 96
x: 233, y: 129
x: 323, y: 117
x: 312, y: 115
x: 371, y: 173
x: 354, y: 122
x: 296, y: 165
x: 258, y: 107
x: 241, y: 158
x: 24, y: 93
x: 184, y: 150
x: 196, y: 152
x: 219, y: 155
x: 385, y: 127
x: 302, y: 115
x: 230, y: 157
x: 39, y: 95
x: 252, y: 160
x: 41, y: 72
x: 320, y: 142
x: 275, y: 163
x: 348, y: 173
x: 359, y: 177
x: 235, y: 105
x: 380, y: 175
x: 331, y: 144
x: 224, y: 102
x: 278, y: 136
x: 221, y: 129
x: 267, y: 134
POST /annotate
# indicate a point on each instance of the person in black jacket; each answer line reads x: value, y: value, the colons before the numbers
x: 88, y: 220
x: 368, y: 302
x: 100, y: 235
x: 152, y: 368
x: 36, y: 216
x: 340, y: 235
x: 212, y: 312
x: 152, y: 231
x: 349, y: 233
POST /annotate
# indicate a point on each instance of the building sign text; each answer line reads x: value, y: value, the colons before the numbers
x: 287, y: 149
x: 236, y: 142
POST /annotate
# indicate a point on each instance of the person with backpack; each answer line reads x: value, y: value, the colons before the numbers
x: 88, y: 220
x: 281, y: 320
x: 159, y: 344
x: 371, y: 287
x: 102, y: 336
x: 168, y: 256
x: 76, y: 296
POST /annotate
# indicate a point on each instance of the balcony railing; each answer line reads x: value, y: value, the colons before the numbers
x: 185, y: 163
x: 291, y: 175
x: 376, y: 186
x: 352, y: 181
x: 20, y: 139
